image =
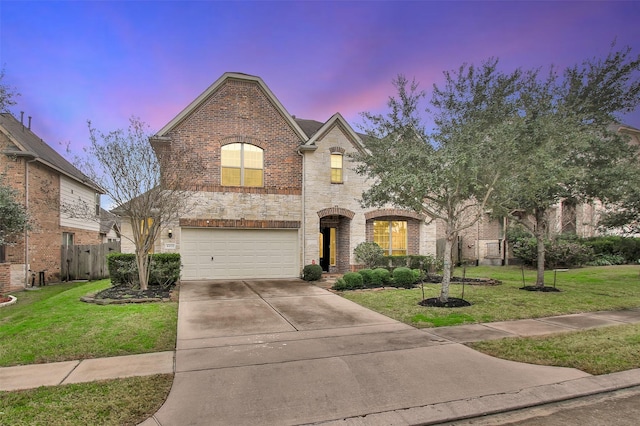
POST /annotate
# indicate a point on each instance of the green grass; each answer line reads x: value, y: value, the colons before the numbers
x: 111, y: 402
x: 582, y: 290
x: 597, y: 351
x: 52, y: 324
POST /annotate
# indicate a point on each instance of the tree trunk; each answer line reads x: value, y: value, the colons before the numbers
x: 142, y: 259
x: 446, y: 272
x: 540, y: 234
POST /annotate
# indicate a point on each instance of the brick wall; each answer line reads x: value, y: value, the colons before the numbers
x: 45, y: 236
x: 239, y: 111
x: 5, y: 277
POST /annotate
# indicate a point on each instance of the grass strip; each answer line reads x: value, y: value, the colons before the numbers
x: 52, y: 324
x: 112, y: 402
x: 596, y: 351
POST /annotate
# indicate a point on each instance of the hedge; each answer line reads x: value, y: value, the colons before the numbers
x: 164, y: 269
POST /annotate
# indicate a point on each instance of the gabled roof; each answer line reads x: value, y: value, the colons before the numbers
x: 320, y: 130
x: 28, y: 144
x: 217, y: 85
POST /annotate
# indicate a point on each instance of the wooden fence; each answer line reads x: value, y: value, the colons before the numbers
x: 86, y: 262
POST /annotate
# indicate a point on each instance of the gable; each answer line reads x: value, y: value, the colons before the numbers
x: 223, y: 83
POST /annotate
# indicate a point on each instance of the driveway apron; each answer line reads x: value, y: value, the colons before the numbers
x: 284, y: 352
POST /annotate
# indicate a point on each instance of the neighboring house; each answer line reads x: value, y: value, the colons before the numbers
x: 45, y: 181
x: 485, y: 243
x: 109, y: 227
x: 279, y: 192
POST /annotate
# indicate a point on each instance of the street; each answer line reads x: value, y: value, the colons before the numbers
x: 619, y: 408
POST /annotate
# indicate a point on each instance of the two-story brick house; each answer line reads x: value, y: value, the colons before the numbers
x: 279, y: 192
x: 44, y: 181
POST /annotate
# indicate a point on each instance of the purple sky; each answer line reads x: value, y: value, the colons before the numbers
x: 105, y: 61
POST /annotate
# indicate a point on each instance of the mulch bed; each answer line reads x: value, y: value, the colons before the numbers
x: 437, y: 279
x: 545, y: 289
x: 452, y: 302
x: 4, y: 299
x: 125, y: 294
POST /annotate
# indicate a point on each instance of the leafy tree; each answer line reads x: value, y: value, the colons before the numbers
x: 566, y: 149
x: 452, y: 174
x: 137, y: 178
x: 7, y: 95
x: 14, y: 218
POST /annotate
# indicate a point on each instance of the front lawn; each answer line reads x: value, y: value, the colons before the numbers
x: 597, y: 351
x: 52, y: 324
x: 111, y: 402
x: 583, y: 290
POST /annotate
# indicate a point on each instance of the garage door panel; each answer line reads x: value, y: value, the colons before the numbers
x: 239, y: 253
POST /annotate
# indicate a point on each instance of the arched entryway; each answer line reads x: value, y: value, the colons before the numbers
x: 334, y: 238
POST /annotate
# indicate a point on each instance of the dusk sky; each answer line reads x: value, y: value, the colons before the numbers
x: 104, y: 61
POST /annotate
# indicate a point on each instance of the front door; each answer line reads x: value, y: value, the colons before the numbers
x: 325, y: 241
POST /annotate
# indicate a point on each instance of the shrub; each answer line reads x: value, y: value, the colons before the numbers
x: 382, y: 275
x: 349, y: 281
x: 568, y: 252
x: 628, y: 248
x: 164, y: 269
x: 353, y: 280
x: 312, y: 272
x: 368, y: 254
x: 418, y: 275
x: 403, y: 277
x: 427, y: 263
x: 340, y: 285
x: 368, y: 278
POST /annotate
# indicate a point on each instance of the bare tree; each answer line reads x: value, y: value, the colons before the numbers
x: 137, y: 178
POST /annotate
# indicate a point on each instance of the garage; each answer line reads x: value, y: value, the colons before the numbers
x: 239, y: 253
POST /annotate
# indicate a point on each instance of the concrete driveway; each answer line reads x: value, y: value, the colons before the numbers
x: 286, y: 352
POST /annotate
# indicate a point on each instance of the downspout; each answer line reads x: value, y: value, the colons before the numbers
x: 304, y: 192
x: 26, y: 231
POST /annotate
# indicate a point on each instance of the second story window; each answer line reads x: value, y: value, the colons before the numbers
x: 336, y: 168
x: 242, y: 165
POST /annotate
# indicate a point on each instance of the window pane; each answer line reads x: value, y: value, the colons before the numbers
x: 252, y: 177
x: 381, y: 234
x: 231, y: 155
x: 399, y: 237
x: 252, y: 157
x: 230, y: 176
x: 336, y: 175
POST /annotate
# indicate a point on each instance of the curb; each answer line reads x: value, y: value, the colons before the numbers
x: 496, y: 403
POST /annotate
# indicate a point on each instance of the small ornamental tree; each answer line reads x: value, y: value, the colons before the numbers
x: 369, y: 254
x: 137, y: 179
x: 13, y: 215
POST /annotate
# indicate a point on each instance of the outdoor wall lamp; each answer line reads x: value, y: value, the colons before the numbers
x: 170, y: 233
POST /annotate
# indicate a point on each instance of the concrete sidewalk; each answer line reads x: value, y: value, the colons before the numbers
x: 285, y: 352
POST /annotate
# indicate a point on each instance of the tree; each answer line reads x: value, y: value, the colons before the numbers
x: 7, y: 95
x: 137, y: 178
x: 565, y: 147
x: 452, y: 174
x: 14, y: 218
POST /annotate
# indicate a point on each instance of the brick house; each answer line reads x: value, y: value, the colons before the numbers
x: 279, y: 192
x: 44, y: 180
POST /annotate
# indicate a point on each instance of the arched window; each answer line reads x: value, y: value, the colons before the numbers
x: 242, y: 165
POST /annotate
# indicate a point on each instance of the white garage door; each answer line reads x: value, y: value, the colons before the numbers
x: 231, y: 253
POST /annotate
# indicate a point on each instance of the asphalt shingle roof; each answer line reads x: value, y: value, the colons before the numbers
x: 30, y: 143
